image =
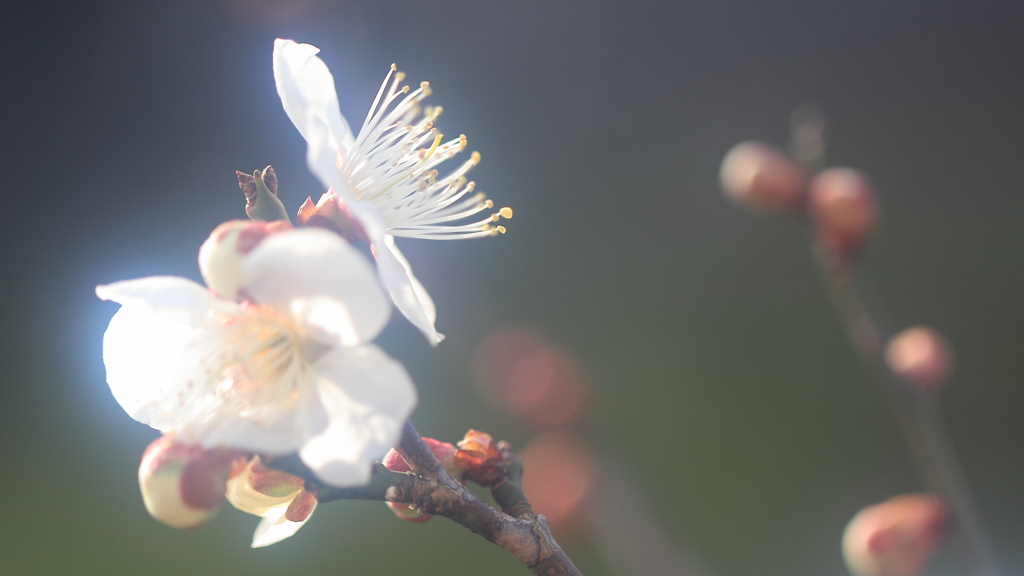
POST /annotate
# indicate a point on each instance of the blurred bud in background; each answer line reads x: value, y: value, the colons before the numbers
x: 559, y: 477
x: 443, y: 451
x: 807, y: 134
x: 896, y: 537
x: 520, y: 371
x: 759, y: 177
x: 182, y: 485
x: 841, y: 205
x: 921, y: 357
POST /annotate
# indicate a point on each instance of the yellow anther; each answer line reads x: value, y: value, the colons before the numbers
x: 394, y: 66
x: 462, y: 142
x: 489, y: 204
x: 405, y: 89
x: 400, y: 76
x: 480, y: 197
x: 474, y: 158
x: 506, y: 213
x: 433, y: 147
x: 495, y: 217
x: 500, y: 229
x: 470, y: 186
x: 424, y: 85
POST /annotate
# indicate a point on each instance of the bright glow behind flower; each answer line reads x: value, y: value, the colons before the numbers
x: 290, y: 370
x: 386, y: 174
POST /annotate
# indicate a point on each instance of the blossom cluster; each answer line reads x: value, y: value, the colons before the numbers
x: 275, y: 355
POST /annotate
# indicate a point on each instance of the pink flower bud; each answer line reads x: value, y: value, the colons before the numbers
x: 330, y: 213
x: 921, y: 357
x: 480, y: 459
x: 894, y: 538
x: 182, y: 485
x: 444, y: 452
x: 220, y: 257
x: 841, y: 205
x: 279, y: 497
x: 760, y: 177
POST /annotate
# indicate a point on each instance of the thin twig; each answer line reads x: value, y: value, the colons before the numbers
x: 916, y: 414
x: 528, y: 539
x: 430, y: 489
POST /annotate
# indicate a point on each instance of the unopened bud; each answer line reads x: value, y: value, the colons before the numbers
x: 443, y: 451
x: 841, y: 205
x: 182, y: 485
x: 279, y: 497
x: 894, y: 538
x: 261, y: 201
x: 331, y: 213
x: 760, y: 177
x: 221, y: 255
x: 921, y: 357
x: 480, y: 459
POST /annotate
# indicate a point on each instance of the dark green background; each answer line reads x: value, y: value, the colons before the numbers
x: 720, y: 376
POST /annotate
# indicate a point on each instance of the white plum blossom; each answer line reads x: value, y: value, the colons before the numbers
x: 385, y: 175
x: 289, y: 368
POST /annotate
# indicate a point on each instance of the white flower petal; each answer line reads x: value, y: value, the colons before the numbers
x: 409, y: 295
x: 368, y: 397
x: 306, y: 88
x: 274, y: 427
x: 273, y: 528
x: 142, y: 352
x: 176, y: 299
x: 293, y: 271
x: 146, y: 339
x: 322, y: 158
x: 183, y: 361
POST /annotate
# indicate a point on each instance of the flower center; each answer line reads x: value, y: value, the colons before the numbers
x: 253, y: 365
x: 391, y: 165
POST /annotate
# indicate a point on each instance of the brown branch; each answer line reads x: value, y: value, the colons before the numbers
x: 526, y: 536
x: 430, y: 489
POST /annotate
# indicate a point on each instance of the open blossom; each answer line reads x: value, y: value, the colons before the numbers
x: 288, y: 368
x: 385, y: 176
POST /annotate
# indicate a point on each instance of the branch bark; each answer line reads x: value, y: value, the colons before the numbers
x: 431, y: 489
x: 525, y: 536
